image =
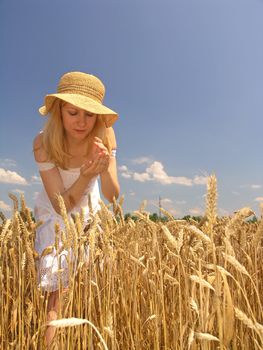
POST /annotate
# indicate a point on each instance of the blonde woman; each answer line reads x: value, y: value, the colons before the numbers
x: 76, y: 147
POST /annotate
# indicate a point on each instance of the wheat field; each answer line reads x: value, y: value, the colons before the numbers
x: 146, y: 285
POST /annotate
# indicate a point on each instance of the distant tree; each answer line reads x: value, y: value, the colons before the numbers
x: 195, y: 218
x: 154, y: 217
x: 163, y: 218
x: 129, y: 216
x: 253, y: 219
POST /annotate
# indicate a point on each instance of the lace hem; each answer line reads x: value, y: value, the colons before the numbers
x: 53, y: 269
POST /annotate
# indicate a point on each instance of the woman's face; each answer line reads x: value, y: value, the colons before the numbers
x: 77, y: 122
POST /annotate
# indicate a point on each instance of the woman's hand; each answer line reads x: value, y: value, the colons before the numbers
x: 99, y: 162
x: 98, y: 147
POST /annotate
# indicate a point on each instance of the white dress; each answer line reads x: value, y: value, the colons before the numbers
x: 48, y: 278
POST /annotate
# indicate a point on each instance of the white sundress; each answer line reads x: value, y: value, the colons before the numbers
x: 48, y: 265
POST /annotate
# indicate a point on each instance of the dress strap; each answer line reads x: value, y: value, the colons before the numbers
x: 113, y: 153
x: 44, y: 166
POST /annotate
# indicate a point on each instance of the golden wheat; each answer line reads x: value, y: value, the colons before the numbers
x: 143, y: 284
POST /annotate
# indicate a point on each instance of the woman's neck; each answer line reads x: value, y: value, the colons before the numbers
x: 75, y: 147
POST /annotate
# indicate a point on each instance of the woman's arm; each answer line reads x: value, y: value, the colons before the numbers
x: 53, y: 183
x: 109, y: 180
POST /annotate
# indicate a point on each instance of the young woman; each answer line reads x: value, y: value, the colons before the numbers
x: 76, y: 147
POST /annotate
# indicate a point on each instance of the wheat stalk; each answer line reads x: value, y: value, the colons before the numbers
x: 70, y: 322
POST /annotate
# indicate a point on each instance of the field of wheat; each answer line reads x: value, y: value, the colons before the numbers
x: 146, y: 285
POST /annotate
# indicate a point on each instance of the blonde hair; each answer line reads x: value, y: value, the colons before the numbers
x: 54, y: 140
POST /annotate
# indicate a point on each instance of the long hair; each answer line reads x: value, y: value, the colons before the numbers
x: 54, y: 138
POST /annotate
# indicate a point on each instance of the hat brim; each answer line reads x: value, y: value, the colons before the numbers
x: 83, y: 102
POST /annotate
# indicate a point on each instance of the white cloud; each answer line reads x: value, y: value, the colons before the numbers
x: 142, y: 160
x: 258, y: 199
x: 142, y: 177
x: 155, y: 172
x: 36, y: 179
x: 166, y: 201
x: 4, y: 206
x: 223, y: 212
x: 18, y: 191
x: 125, y: 172
x: 126, y: 175
x: 123, y: 168
x: 35, y: 194
x: 7, y: 162
x: 252, y: 186
x: 236, y: 193
x: 180, y: 202
x: 255, y: 187
x: 200, y: 180
x: 196, y: 211
x: 168, y: 205
x: 11, y: 177
x: 174, y: 212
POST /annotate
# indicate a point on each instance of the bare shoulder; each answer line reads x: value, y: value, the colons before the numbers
x: 39, y: 152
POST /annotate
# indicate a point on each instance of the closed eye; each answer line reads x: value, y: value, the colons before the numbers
x: 87, y: 114
x: 90, y: 114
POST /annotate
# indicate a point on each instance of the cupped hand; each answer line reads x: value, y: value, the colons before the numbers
x: 98, y: 148
x: 98, y: 165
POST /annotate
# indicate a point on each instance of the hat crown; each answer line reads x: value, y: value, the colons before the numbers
x: 83, y: 84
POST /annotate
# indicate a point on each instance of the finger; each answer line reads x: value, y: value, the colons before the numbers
x: 101, y: 148
x: 86, y: 165
x: 93, y: 163
x: 98, y: 143
x: 97, y: 156
x: 104, y: 157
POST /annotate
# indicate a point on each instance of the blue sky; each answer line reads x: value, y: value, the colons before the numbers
x: 185, y: 76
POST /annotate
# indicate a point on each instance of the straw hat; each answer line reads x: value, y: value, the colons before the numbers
x: 84, y: 91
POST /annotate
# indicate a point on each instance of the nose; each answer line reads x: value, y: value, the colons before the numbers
x: 81, y: 118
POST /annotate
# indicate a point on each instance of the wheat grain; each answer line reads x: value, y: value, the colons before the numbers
x: 205, y: 336
x: 234, y: 262
x: 71, y: 322
x: 198, y: 233
x: 202, y: 282
x: 244, y: 318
